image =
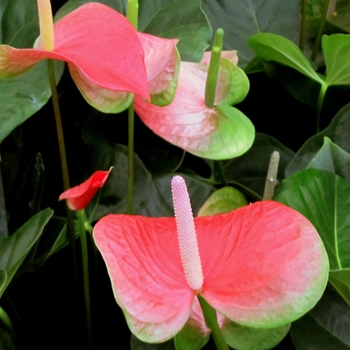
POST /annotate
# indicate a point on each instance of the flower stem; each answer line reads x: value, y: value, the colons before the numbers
x: 303, y: 25
x: 214, y: 66
x: 271, y: 178
x: 85, y: 262
x: 130, y: 191
x: 212, y: 323
x: 320, y: 100
x: 63, y: 157
x: 320, y: 30
x: 132, y: 16
x: 222, y: 172
x: 133, y: 12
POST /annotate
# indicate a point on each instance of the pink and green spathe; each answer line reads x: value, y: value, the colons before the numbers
x: 106, y: 56
x: 262, y: 265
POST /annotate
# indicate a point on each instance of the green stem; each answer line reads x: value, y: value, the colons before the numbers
x: 320, y: 100
x: 271, y: 178
x: 133, y: 12
x: 130, y: 191
x: 303, y: 25
x: 85, y: 262
x: 320, y: 30
x: 8, y: 324
x: 222, y: 172
x: 211, y: 321
x: 63, y: 157
x: 132, y: 16
x: 213, y: 71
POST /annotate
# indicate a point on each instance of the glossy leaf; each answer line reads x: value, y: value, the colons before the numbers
x: 332, y: 158
x: 338, y: 131
x: 112, y: 197
x: 3, y: 213
x: 3, y: 279
x: 54, y: 238
x: 324, y: 199
x: 249, y: 286
x: 71, y: 5
x: 14, y: 249
x: 23, y: 96
x: 248, y: 338
x: 271, y: 47
x: 160, y: 201
x: 249, y: 171
x: 220, y: 132
x: 336, y: 50
x: 18, y: 18
x: 185, y: 21
x: 194, y: 334
x: 325, y: 327
x: 252, y: 17
x: 223, y: 200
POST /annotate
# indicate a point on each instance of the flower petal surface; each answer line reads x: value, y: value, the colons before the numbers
x: 78, y: 197
x: 216, y: 133
x: 264, y: 264
x: 162, y: 62
x: 144, y: 264
x: 97, y: 40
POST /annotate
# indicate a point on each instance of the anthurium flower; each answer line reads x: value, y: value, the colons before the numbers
x: 217, y: 133
x: 78, y: 197
x: 262, y: 265
x: 102, y: 50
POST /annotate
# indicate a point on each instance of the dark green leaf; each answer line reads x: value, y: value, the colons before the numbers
x: 324, y: 198
x: 337, y: 19
x: 53, y: 239
x: 338, y: 131
x: 71, y: 5
x: 111, y: 198
x: 325, y: 327
x: 333, y: 159
x: 3, y: 278
x: 24, y: 95
x: 14, y: 249
x: 3, y: 212
x: 6, y: 342
x: 180, y: 19
x: 19, y: 16
x: 250, y: 169
x: 300, y: 86
x: 160, y: 200
x: 137, y: 344
x: 241, y: 19
x: 340, y: 280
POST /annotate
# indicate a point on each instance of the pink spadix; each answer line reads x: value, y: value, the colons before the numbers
x: 188, y: 244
